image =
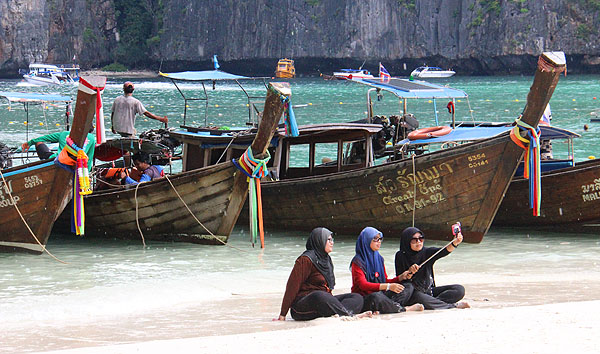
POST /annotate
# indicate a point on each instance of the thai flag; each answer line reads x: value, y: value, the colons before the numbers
x: 547, y: 116
x: 383, y: 73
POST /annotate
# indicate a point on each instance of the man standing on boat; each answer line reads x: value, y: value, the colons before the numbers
x: 124, y: 110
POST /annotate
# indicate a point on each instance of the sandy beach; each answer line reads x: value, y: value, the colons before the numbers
x: 552, y: 328
x: 529, y: 312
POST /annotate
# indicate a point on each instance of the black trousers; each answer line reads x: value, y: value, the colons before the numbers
x: 42, y: 151
x: 389, y: 301
x: 443, y: 297
x: 322, y: 304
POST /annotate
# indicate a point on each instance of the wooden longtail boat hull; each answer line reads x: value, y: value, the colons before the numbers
x: 570, y: 200
x: 215, y: 195
x: 465, y: 183
x: 41, y: 189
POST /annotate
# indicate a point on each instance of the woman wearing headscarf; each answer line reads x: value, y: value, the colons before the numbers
x: 308, y: 291
x: 411, y: 254
x: 369, y: 277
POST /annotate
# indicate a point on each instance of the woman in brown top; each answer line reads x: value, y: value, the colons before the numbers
x: 308, y: 291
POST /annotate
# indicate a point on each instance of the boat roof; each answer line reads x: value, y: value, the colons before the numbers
x: 43, y: 66
x: 484, y: 132
x: 331, y: 132
x: 353, y: 70
x: 429, y: 67
x: 205, y: 75
x: 405, y: 88
x: 31, y: 97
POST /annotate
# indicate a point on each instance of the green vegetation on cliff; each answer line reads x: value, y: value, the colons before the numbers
x: 139, y: 23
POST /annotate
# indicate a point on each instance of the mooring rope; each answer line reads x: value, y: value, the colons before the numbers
x: 25, y: 222
x: 188, y: 209
x: 414, y: 191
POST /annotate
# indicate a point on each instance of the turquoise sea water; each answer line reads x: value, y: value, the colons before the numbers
x: 114, y: 291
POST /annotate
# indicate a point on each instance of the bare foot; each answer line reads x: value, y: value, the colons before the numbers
x: 415, y: 307
x: 463, y: 305
x: 368, y: 314
x: 375, y: 313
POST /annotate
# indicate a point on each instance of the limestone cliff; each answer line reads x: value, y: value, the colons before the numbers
x: 473, y: 36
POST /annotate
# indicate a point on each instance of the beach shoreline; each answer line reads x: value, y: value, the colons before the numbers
x: 142, y: 74
x: 549, y: 328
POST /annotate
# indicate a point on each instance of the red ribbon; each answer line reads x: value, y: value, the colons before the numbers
x: 98, y: 101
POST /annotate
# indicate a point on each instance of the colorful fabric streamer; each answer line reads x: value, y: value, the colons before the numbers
x: 254, y: 169
x: 73, y: 155
x: 532, y: 169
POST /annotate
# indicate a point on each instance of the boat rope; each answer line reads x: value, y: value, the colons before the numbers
x: 291, y: 127
x: 137, y: 214
x: 233, y: 137
x: 254, y: 169
x: 14, y: 202
x: 73, y: 155
x: 414, y: 191
x: 532, y: 167
x: 200, y: 223
x: 188, y: 209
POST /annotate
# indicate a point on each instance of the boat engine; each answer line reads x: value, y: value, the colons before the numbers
x: 5, y: 156
x: 162, y: 138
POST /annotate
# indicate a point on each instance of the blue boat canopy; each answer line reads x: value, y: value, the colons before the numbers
x: 404, y: 88
x: 478, y: 133
x: 31, y: 97
x: 206, y: 75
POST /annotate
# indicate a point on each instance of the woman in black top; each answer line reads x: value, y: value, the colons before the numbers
x: 411, y: 254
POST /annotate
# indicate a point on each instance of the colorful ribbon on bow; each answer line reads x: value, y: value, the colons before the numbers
x: 73, y: 155
x: 291, y: 127
x: 254, y: 169
x: 532, y: 168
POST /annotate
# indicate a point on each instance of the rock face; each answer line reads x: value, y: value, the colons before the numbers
x: 55, y: 31
x: 473, y: 36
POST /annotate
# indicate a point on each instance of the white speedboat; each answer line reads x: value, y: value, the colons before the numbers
x: 349, y: 74
x: 428, y: 72
x: 47, y: 74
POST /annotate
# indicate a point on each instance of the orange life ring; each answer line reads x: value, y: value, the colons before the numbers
x: 431, y: 132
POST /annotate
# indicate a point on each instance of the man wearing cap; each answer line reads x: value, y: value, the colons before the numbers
x: 124, y: 110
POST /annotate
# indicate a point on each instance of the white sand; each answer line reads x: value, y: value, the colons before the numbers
x: 551, y: 328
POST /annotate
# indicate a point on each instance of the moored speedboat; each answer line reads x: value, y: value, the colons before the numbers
x: 429, y: 72
x: 46, y: 74
x: 350, y: 74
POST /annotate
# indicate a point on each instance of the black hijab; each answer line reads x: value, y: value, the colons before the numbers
x: 406, y: 256
x: 423, y: 279
x: 315, y: 250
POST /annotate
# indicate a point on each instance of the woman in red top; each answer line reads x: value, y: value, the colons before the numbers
x: 308, y: 290
x: 369, y: 277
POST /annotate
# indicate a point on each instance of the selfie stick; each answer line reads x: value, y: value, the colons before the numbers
x: 440, y: 250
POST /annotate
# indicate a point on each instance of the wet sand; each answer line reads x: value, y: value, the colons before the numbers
x: 527, y: 313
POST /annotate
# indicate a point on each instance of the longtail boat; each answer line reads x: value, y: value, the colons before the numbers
x: 570, y: 197
x: 347, y: 192
x: 199, y: 205
x: 33, y: 195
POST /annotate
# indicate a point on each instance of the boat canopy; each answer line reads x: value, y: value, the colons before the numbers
x: 404, y: 88
x: 206, y: 75
x: 477, y: 133
x: 30, y: 97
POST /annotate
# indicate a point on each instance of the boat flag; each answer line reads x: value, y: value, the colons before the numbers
x: 383, y: 73
x: 216, y: 62
x: 547, y: 116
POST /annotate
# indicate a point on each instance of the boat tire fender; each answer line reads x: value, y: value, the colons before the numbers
x: 430, y: 132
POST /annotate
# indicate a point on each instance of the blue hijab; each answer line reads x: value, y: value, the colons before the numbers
x: 371, y: 262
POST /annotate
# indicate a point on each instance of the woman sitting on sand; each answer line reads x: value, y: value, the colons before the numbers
x: 308, y: 290
x: 369, y: 277
x: 412, y: 253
